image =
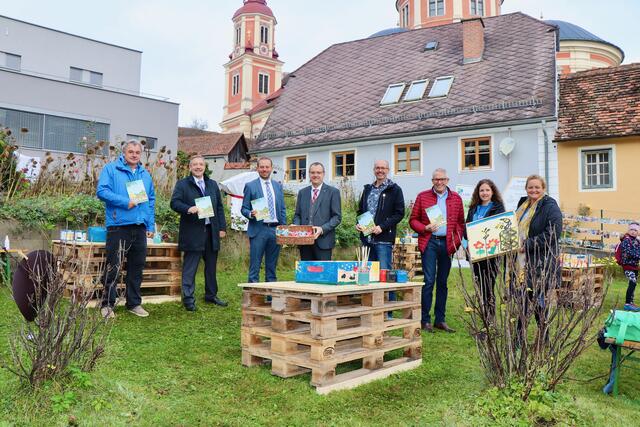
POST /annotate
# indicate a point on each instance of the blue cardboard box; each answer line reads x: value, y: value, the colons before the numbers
x: 333, y: 272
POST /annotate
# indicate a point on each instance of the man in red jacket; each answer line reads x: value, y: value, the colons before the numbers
x: 437, y: 243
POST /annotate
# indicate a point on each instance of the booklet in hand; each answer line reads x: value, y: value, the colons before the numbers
x: 261, y: 208
x: 205, y: 208
x: 436, y: 217
x: 366, y: 222
x: 137, y: 193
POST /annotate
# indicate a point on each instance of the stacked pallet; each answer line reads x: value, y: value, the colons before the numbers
x: 83, y: 263
x: 325, y: 330
x: 581, y: 286
x: 407, y: 257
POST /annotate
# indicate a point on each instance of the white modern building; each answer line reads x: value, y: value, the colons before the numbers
x: 57, y: 88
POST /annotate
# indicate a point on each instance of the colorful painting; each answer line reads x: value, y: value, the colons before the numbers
x: 205, y: 208
x: 493, y: 236
x: 436, y: 217
x: 262, y: 209
x: 366, y: 222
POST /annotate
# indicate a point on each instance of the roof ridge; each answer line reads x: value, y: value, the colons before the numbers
x: 602, y: 70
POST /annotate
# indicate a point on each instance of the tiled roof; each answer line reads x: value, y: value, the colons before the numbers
x: 599, y: 103
x: 571, y: 32
x: 209, y: 144
x: 336, y: 95
x: 191, y: 131
x: 234, y: 166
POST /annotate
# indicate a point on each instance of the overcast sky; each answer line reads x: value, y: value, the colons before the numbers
x: 186, y: 42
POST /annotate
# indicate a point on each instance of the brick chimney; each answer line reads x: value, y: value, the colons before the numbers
x: 472, y: 40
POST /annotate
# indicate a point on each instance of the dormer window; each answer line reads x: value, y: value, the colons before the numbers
x: 477, y: 7
x: 264, y: 34
x: 393, y: 93
x: 416, y: 90
x: 441, y: 87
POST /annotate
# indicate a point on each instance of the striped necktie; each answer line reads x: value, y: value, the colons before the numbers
x: 315, y: 195
x: 272, y: 211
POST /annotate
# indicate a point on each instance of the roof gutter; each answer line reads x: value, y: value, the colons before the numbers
x: 514, y: 123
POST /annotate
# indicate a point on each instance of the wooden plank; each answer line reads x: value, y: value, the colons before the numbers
x: 358, y: 377
x: 146, y: 299
x: 626, y: 344
x: 328, y: 289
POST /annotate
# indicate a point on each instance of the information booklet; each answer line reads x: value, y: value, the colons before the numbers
x: 366, y: 222
x: 261, y: 208
x: 435, y: 216
x: 137, y: 193
x: 205, y: 208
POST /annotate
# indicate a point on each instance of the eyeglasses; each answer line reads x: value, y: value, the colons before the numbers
x: 439, y: 179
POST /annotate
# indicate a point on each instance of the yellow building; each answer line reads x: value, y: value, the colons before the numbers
x: 598, y: 141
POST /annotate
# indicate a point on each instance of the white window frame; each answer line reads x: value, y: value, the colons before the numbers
x: 434, y: 84
x: 264, y: 34
x: 404, y: 19
x: 85, y: 76
x: 264, y: 83
x: 389, y: 88
x: 612, y: 168
x: 394, y: 160
x: 235, y: 84
x: 476, y: 3
x: 355, y: 163
x: 444, y: 8
x: 5, y: 60
x: 461, y: 168
x: 424, y: 89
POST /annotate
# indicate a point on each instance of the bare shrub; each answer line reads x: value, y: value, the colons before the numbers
x: 65, y: 333
x: 529, y: 330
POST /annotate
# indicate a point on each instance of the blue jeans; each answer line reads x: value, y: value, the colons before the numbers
x: 436, y: 264
x: 263, y: 245
x: 382, y: 252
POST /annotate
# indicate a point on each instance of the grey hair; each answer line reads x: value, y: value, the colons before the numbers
x: 131, y: 142
x: 381, y: 160
x: 441, y: 170
x: 316, y: 164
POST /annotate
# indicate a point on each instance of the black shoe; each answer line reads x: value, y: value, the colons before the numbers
x: 190, y: 307
x: 427, y: 327
x: 216, y: 301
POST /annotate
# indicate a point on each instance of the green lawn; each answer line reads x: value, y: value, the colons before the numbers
x: 180, y: 368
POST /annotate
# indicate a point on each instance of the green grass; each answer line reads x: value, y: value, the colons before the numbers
x: 180, y: 368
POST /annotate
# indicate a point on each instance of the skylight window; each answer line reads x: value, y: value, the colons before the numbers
x: 441, y: 87
x: 432, y: 45
x: 393, y: 93
x: 416, y: 90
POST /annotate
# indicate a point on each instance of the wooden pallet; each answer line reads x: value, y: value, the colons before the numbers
x: 319, y: 329
x: 84, y: 264
x: 407, y: 257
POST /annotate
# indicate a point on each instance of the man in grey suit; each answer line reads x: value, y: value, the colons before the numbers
x: 318, y: 205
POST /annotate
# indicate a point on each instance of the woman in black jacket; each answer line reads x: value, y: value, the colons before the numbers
x: 538, y: 264
x: 485, y: 202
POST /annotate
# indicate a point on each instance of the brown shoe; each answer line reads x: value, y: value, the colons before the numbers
x: 427, y: 327
x: 443, y: 326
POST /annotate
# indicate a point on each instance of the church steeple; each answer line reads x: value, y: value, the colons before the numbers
x: 254, y: 71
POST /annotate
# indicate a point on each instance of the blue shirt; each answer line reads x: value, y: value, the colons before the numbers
x: 442, y: 204
x: 481, y: 211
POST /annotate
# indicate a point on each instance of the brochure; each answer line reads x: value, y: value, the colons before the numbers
x: 261, y: 208
x: 137, y: 193
x: 366, y: 222
x: 435, y: 216
x: 205, y: 208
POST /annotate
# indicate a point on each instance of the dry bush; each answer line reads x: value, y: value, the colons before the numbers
x: 532, y: 332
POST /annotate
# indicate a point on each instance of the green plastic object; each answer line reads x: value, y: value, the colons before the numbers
x: 623, y: 326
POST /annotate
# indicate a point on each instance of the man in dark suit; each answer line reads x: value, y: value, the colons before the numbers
x: 199, y: 238
x: 318, y: 205
x: 262, y: 233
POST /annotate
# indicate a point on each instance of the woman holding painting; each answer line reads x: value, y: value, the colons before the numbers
x: 485, y: 202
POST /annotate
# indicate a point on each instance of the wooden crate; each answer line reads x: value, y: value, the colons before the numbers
x: 324, y: 330
x: 85, y: 262
x: 581, y: 285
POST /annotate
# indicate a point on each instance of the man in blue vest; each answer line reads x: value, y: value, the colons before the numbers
x: 126, y: 189
x: 262, y: 225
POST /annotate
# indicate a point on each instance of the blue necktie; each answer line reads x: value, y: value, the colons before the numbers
x: 272, y: 211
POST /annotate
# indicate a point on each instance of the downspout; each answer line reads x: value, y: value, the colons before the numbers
x: 546, y: 150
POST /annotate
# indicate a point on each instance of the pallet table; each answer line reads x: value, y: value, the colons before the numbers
x: 161, y: 279
x: 580, y: 283
x: 617, y: 358
x: 302, y: 327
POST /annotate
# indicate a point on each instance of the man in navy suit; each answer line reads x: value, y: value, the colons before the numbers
x: 318, y: 205
x: 262, y: 234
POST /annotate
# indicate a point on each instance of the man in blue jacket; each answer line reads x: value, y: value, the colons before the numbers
x: 126, y: 189
x: 262, y: 233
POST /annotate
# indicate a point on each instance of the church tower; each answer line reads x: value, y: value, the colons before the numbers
x: 429, y: 13
x: 253, y: 72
